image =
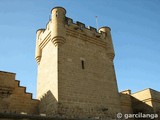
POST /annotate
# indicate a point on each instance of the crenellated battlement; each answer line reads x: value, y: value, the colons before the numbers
x: 90, y: 31
x: 77, y: 26
x: 102, y: 36
x: 60, y: 26
x: 81, y: 26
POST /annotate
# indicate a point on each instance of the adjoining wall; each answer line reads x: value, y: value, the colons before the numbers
x: 125, y: 101
x: 155, y: 98
x: 146, y: 101
x: 14, y: 98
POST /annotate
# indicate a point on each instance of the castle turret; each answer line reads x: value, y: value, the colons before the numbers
x: 107, y: 35
x: 38, y: 49
x: 58, y: 25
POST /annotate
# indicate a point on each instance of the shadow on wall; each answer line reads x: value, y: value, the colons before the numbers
x: 141, y: 107
x: 48, y: 104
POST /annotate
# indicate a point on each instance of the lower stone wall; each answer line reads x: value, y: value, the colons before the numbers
x: 78, y: 110
x: 126, y: 104
x: 8, y: 116
x: 13, y: 97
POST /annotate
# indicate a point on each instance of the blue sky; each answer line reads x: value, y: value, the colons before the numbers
x: 135, y: 31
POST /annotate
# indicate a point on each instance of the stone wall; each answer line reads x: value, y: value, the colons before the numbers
x: 13, y: 97
x: 155, y: 100
x: 47, y: 83
x: 126, y: 103
x: 13, y: 116
x: 142, y: 101
x: 88, y: 88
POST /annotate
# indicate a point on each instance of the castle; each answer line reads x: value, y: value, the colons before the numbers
x: 76, y: 77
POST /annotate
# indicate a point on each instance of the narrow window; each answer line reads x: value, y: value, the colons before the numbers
x: 82, y: 64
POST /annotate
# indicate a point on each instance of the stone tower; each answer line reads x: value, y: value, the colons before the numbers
x: 76, y: 76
